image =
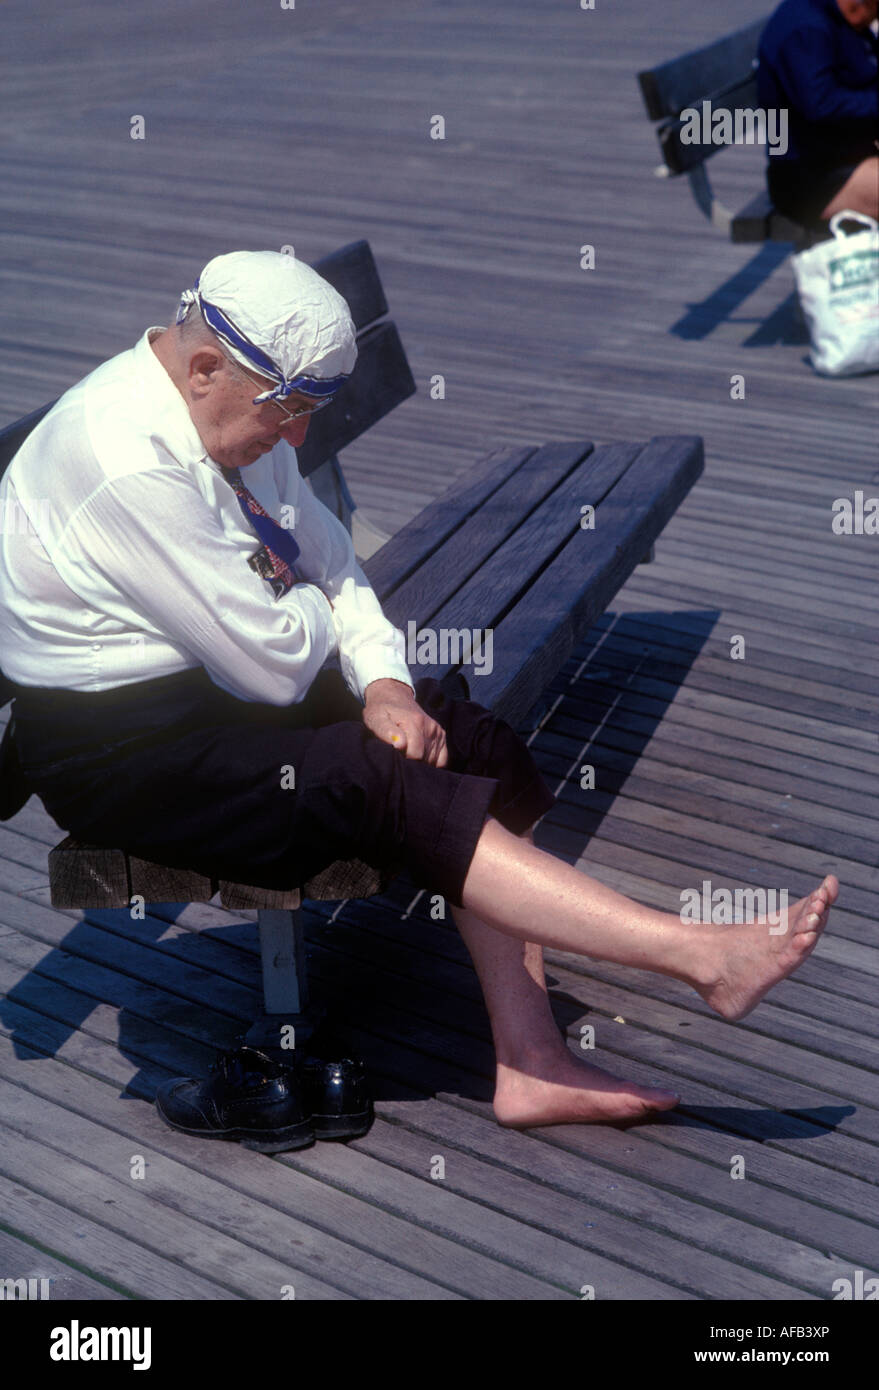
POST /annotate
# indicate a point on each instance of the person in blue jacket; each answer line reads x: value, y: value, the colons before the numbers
x: 818, y: 58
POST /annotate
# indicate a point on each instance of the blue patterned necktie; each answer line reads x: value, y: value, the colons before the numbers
x: 276, y: 560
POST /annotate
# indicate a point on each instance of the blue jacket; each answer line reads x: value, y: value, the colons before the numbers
x: 814, y: 63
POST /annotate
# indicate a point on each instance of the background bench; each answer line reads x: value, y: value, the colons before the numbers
x: 506, y: 551
x: 724, y: 73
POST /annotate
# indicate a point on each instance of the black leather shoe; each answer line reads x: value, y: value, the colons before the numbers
x: 336, y: 1096
x: 250, y: 1098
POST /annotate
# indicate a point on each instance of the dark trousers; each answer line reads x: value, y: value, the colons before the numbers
x: 802, y: 191
x: 178, y: 771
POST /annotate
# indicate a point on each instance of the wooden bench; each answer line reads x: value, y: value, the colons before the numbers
x: 515, y: 550
x: 724, y: 73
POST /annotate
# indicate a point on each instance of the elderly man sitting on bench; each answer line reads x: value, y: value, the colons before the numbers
x: 167, y: 622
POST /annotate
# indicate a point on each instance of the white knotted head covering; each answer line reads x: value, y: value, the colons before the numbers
x: 280, y: 318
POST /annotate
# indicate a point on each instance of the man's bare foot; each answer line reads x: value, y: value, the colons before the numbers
x: 748, y: 960
x: 559, y: 1089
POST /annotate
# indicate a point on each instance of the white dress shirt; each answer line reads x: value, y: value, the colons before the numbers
x: 123, y: 555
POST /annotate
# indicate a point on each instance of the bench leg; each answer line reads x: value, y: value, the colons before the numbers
x: 328, y: 484
x: 714, y: 210
x: 285, y: 981
x: 282, y: 947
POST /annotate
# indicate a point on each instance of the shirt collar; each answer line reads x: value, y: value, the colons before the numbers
x: 170, y: 420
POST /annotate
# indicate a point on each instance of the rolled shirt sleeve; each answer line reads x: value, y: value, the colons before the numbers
x: 370, y: 647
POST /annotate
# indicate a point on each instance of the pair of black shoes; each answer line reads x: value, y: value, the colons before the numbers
x: 269, y: 1105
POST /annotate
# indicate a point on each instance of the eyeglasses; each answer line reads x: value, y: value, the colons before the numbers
x: 302, y: 409
x: 288, y: 415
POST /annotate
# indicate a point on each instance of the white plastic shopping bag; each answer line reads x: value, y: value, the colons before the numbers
x: 838, y: 285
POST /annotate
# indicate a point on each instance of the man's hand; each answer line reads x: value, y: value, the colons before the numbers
x: 395, y: 716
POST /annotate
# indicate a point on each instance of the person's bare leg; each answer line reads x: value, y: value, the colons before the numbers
x: 528, y: 894
x: 860, y: 192
x: 539, y: 1080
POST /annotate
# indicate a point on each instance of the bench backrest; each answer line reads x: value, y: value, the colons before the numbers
x: 723, y: 72
x: 380, y: 381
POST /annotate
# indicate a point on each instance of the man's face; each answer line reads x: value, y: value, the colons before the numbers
x: 234, y: 431
x: 859, y: 13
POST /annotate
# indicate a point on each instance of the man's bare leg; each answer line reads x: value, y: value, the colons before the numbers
x: 539, y: 1080
x: 532, y: 896
x: 860, y: 192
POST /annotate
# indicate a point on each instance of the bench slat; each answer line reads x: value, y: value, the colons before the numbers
x: 561, y: 607
x: 160, y: 883
x: 430, y: 529
x: 353, y: 272
x: 534, y: 639
x: 680, y: 157
x: 701, y: 73
x: 380, y: 381
x: 758, y: 220
x: 92, y: 876
x: 242, y: 897
x: 98, y: 880
x: 513, y: 568
x: 486, y: 531
x: 14, y: 435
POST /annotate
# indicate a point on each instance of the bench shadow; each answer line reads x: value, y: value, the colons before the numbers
x: 176, y: 1004
x: 607, y: 704
x: 785, y: 325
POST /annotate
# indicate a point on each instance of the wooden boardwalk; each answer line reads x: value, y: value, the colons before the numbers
x: 311, y: 127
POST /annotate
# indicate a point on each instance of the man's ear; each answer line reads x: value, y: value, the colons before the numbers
x: 206, y: 366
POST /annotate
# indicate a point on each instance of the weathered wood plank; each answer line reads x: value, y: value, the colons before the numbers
x: 316, y: 1263
x: 473, y: 565
x: 111, y: 1199
x: 543, y: 626
x: 97, y: 878
x: 137, y: 1271
x: 708, y: 1201
x: 747, y: 721
x: 381, y: 380
x: 456, y: 1267
x: 644, y: 776
x: 411, y: 546
x: 683, y: 81
x: 353, y: 272
x: 19, y: 1259
x: 612, y: 1193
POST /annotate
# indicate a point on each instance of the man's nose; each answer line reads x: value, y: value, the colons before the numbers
x: 294, y: 431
